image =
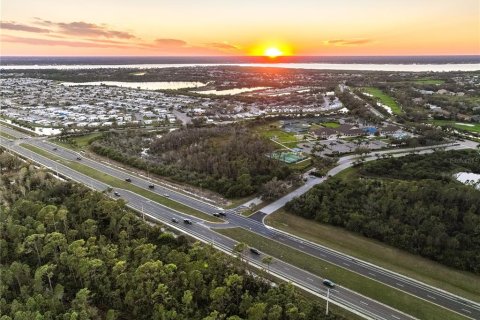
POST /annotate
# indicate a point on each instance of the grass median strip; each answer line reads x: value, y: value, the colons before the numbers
x: 6, y: 135
x: 368, y: 287
x: 118, y: 183
x: 462, y: 283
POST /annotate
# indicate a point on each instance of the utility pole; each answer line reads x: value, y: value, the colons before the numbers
x: 143, y: 214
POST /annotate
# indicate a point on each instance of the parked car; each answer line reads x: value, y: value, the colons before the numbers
x: 128, y: 180
x: 116, y: 194
x: 174, y: 220
x: 151, y: 186
x: 254, y: 251
x: 187, y: 221
x: 328, y: 283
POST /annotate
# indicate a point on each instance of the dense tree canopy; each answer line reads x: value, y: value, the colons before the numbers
x: 230, y: 160
x: 411, y: 202
x: 70, y: 253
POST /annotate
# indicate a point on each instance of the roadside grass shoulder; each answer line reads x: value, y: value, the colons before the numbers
x: 461, y: 283
x: 117, y: 183
x: 368, y: 287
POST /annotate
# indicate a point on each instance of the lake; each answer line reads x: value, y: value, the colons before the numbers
x: 142, y: 85
x: 230, y: 91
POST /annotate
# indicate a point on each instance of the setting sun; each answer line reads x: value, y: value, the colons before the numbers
x: 273, y: 52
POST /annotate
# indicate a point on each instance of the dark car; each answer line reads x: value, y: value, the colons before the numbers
x: 187, y: 221
x: 54, y: 149
x: 328, y: 283
x: 116, y: 194
x: 174, y: 220
x: 216, y: 215
x: 128, y: 180
x: 223, y: 214
x: 78, y: 158
x: 254, y: 251
x: 151, y: 186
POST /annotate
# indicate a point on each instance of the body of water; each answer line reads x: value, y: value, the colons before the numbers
x: 313, y: 66
x: 354, y: 63
x: 230, y: 91
x: 140, y: 85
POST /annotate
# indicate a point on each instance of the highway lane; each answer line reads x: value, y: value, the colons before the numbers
x: 200, y: 230
x: 400, y: 282
x: 122, y: 175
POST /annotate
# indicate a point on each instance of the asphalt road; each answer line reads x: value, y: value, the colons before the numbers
x: 203, y: 230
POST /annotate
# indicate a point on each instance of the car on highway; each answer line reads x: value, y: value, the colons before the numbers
x: 174, y: 220
x: 78, y: 158
x: 166, y: 195
x: 151, y: 186
x: 116, y: 194
x: 128, y: 180
x: 254, y: 251
x: 187, y: 221
x: 216, y: 215
x: 223, y: 214
x: 328, y: 283
x: 55, y: 149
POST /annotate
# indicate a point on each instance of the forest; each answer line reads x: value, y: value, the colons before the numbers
x: 231, y: 160
x: 71, y: 253
x: 411, y: 202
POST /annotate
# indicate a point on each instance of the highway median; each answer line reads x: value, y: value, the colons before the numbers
x: 118, y: 183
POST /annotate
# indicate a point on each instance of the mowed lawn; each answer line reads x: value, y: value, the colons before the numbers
x: 384, y: 99
x: 472, y: 127
x: 368, y: 287
x: 458, y: 282
x: 81, y: 142
x: 274, y: 131
x: 121, y: 184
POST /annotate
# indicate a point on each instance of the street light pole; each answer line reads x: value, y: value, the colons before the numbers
x: 328, y: 296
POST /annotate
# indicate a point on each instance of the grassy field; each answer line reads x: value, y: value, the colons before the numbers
x: 472, y: 127
x: 384, y: 98
x: 273, y: 131
x: 458, y: 282
x: 118, y: 183
x: 370, y: 288
x: 80, y: 142
x: 331, y: 124
x: 428, y: 81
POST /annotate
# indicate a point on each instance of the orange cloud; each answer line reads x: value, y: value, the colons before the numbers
x: 343, y: 42
x: 10, y: 25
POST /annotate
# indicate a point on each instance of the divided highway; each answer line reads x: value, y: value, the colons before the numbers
x: 206, y: 232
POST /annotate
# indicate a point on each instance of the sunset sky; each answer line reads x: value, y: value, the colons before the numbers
x: 247, y: 27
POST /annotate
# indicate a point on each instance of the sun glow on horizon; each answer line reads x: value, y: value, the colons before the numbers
x: 273, y: 52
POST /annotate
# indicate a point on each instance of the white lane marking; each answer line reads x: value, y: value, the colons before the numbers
x: 431, y: 297
x: 286, y: 268
x: 301, y: 246
x: 467, y: 310
x: 346, y: 264
x: 372, y: 274
x: 395, y: 316
x: 310, y: 279
x: 364, y: 302
x: 400, y: 285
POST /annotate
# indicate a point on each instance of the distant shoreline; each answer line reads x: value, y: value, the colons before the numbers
x: 445, y: 67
